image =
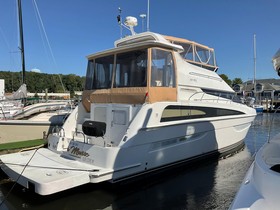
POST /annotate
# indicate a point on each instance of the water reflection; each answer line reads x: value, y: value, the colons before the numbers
x: 209, y: 185
x: 264, y: 126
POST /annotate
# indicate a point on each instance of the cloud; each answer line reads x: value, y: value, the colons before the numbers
x: 36, y: 70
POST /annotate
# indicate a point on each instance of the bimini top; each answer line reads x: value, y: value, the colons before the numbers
x: 195, y: 53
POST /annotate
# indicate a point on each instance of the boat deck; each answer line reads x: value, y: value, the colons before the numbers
x: 48, y: 172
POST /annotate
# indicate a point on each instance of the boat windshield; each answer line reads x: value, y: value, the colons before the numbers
x: 130, y: 70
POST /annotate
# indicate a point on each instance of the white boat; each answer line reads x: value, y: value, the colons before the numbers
x: 260, y: 187
x: 37, y: 126
x: 36, y: 121
x: 9, y: 105
x: 259, y: 108
x: 150, y: 103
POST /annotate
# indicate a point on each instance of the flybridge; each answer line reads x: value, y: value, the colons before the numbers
x: 192, y: 52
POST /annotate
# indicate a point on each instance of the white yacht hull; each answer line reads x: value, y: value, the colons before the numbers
x: 152, y: 148
x: 260, y: 187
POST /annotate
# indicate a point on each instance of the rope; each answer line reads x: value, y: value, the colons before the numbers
x: 5, y: 197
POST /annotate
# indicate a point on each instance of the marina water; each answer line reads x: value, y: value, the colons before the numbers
x: 208, y: 185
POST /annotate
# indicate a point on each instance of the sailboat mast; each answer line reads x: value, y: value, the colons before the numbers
x: 21, y: 41
x: 255, y: 64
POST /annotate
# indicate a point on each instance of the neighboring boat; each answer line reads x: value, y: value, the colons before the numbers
x: 9, y: 105
x: 261, y: 185
x: 260, y: 188
x: 276, y: 62
x: 151, y: 102
x: 36, y: 126
x: 250, y: 101
x: 21, y: 123
x: 259, y: 108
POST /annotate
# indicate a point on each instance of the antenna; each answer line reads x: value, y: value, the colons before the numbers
x: 129, y: 23
x: 143, y: 16
x: 148, y: 16
x: 119, y: 18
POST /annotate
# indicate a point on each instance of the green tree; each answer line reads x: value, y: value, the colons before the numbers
x: 236, y: 81
x: 226, y: 79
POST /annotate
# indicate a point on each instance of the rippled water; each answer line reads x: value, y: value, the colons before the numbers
x: 209, y: 185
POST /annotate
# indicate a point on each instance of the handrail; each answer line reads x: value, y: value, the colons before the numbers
x: 219, y: 98
x: 79, y: 132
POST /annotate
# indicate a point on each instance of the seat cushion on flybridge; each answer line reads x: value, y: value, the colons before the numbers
x: 47, y: 171
x: 93, y: 128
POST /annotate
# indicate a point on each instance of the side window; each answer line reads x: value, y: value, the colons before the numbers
x: 99, y: 73
x: 89, y: 76
x: 162, y: 69
x: 103, y: 69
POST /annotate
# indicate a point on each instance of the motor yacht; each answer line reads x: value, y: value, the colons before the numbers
x: 151, y: 102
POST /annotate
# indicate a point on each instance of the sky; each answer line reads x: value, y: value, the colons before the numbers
x: 77, y: 28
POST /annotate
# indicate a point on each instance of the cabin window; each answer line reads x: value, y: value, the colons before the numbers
x: 174, y: 113
x: 99, y: 73
x: 131, y: 69
x: 162, y: 69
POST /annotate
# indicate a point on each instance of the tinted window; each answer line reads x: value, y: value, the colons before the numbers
x: 172, y: 113
x: 99, y: 73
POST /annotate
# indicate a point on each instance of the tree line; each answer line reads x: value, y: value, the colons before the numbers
x: 58, y: 83
x: 39, y: 82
